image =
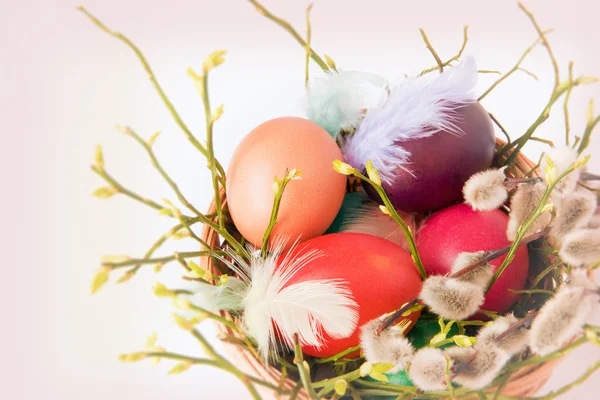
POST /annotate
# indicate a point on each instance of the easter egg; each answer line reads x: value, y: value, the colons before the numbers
x: 440, y: 164
x: 308, y: 205
x: 458, y: 229
x: 380, y: 276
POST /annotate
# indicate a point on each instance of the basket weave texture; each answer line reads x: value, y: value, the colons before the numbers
x: 523, y: 383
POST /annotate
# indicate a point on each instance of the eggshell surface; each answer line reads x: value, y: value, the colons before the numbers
x: 380, y: 275
x: 459, y: 229
x: 309, y: 204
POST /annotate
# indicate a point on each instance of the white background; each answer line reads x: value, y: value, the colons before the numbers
x: 63, y: 87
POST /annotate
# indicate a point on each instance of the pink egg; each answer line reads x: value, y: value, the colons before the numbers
x: 309, y: 205
x: 458, y: 229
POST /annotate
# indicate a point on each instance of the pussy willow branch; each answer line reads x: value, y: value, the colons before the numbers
x: 130, y: 132
x: 274, y: 213
x: 508, y: 139
x: 290, y: 29
x: 435, y: 55
x: 212, y: 162
x: 101, y: 172
x: 303, y: 371
x: 515, y: 68
x: 178, y: 120
x: 585, y: 139
x: 454, y: 58
x: 523, y: 229
x: 227, y: 365
x: 394, y: 214
x: 337, y: 356
x: 307, y: 47
x: 212, y: 363
x: 566, y: 106
x: 162, y: 260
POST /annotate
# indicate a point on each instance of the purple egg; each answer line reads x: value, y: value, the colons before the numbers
x: 441, y: 163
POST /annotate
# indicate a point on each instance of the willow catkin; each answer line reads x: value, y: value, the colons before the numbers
x: 512, y: 344
x: 561, y: 318
x: 477, y: 367
x: 485, y: 191
x: 523, y: 204
x: 390, y: 346
x: 450, y: 298
x: 480, y: 276
x: 573, y: 212
x: 428, y: 369
x: 581, y: 247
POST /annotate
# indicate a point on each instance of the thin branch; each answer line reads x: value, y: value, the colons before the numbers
x: 566, y: 105
x: 157, y: 260
x: 515, y: 68
x: 307, y: 48
x: 437, y: 58
x: 304, y: 373
x: 455, y: 57
x: 157, y: 87
x: 508, y: 140
x: 290, y: 29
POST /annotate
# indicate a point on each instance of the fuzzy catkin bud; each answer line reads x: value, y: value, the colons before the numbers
x: 561, y: 318
x: 485, y: 191
x: 581, y: 247
x: 450, y: 298
x: 428, y: 369
x: 522, y: 207
x: 390, y: 346
x: 480, y: 276
x: 512, y: 344
x: 477, y: 366
x: 573, y: 212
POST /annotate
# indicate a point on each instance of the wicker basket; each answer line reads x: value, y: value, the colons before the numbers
x: 525, y: 382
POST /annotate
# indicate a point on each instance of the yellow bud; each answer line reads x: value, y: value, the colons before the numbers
x: 166, y: 211
x: 275, y: 186
x: 547, y: 207
x: 590, y: 111
x: 385, y: 210
x: 372, y: 173
x: 99, y: 157
x: 213, y: 60
x: 330, y: 63
x: 592, y: 336
x: 223, y: 279
x: 581, y: 162
x: 151, y: 341
x: 199, y: 272
x: 365, y: 368
x: 382, y: 367
x: 180, y: 234
x: 340, y: 386
x: 342, y: 167
x: 217, y: 113
x: 158, y: 267
x: 379, y: 376
x: 153, y: 138
x: 126, y: 276
x: 181, y: 367
x: 100, y: 279
x: 438, y: 338
x: 114, y: 258
x: 550, y: 172
x: 463, y: 341
x: 294, y: 174
x: 105, y: 192
x: 198, y: 318
x: 161, y: 290
x: 182, y: 303
x: 183, y: 323
x: 132, y: 357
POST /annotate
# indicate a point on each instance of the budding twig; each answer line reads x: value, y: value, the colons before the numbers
x: 455, y: 57
x: 438, y: 60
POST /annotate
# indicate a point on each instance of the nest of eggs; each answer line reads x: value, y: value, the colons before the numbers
x: 390, y: 246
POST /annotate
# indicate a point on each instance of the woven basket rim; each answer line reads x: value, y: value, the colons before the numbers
x: 524, y: 382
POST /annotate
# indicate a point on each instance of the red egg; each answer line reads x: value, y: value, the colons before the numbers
x: 459, y: 229
x: 380, y: 275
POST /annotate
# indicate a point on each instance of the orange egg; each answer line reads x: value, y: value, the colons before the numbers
x: 309, y: 205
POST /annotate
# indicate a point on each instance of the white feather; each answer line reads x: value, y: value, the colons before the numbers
x: 417, y: 108
x: 308, y: 309
x: 228, y: 296
x: 337, y: 100
x: 370, y: 220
